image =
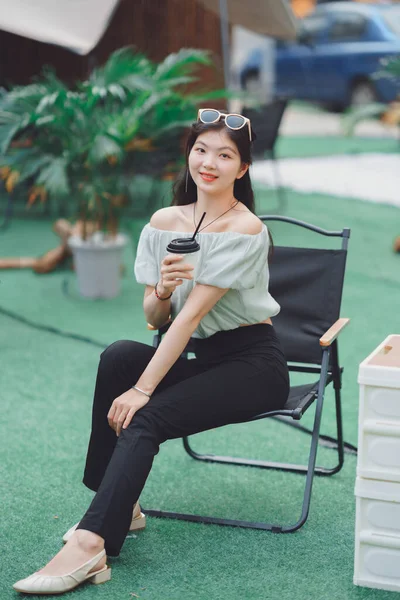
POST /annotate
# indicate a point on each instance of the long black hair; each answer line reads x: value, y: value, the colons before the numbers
x: 185, y: 189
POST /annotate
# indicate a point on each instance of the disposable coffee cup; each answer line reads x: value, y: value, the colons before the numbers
x: 189, y: 249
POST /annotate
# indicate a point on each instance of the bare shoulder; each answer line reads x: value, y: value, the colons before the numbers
x: 165, y: 218
x: 247, y: 222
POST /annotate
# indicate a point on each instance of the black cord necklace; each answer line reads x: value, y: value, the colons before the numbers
x: 224, y: 213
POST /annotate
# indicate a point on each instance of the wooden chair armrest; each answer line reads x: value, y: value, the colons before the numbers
x: 332, y: 333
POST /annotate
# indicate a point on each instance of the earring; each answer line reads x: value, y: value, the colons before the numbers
x: 187, y: 177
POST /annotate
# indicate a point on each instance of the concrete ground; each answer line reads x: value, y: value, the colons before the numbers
x: 370, y: 176
x: 304, y: 120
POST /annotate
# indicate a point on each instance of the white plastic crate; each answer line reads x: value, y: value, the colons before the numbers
x: 377, y: 507
x: 377, y: 561
x: 379, y: 451
x: 380, y: 403
x: 377, y: 543
x: 379, y: 413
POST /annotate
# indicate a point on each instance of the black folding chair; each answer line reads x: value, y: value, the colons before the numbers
x: 308, y: 285
x: 266, y: 123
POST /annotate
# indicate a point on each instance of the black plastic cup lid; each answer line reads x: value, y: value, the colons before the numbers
x: 183, y: 246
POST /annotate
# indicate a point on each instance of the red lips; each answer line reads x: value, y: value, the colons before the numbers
x: 208, y: 176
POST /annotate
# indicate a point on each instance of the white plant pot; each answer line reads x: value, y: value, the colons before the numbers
x: 98, y: 264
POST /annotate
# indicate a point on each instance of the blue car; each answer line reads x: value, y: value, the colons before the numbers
x: 339, y: 48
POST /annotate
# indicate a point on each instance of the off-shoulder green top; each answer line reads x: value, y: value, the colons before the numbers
x: 227, y: 259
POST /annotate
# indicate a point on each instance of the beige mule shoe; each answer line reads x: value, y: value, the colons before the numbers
x: 58, y: 584
x: 138, y: 523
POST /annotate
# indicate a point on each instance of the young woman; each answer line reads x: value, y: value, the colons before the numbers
x: 145, y: 396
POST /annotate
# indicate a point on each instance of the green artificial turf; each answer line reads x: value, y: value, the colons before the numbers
x: 302, y: 146
x: 46, y: 386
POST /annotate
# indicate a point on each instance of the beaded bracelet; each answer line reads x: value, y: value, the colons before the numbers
x: 159, y: 297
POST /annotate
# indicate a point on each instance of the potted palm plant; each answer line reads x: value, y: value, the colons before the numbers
x: 81, y: 147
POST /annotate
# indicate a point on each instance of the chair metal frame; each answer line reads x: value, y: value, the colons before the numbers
x: 329, y: 371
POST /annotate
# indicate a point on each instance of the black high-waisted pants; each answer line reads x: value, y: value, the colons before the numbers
x: 235, y: 375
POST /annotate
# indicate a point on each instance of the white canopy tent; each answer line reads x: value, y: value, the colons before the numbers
x: 75, y: 24
x: 79, y: 24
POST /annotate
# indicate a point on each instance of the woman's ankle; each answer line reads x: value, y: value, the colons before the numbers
x: 88, y: 541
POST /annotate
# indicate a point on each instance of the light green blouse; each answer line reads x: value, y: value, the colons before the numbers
x: 227, y: 260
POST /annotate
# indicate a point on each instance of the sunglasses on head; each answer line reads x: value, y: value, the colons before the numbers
x: 232, y: 120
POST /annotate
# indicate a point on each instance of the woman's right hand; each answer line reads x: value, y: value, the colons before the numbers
x: 173, y: 273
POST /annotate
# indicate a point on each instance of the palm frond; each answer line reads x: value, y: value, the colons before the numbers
x: 119, y: 69
x: 52, y: 82
x: 43, y: 121
x: 32, y: 167
x: 8, y: 118
x: 7, y: 134
x: 153, y: 101
x: 104, y: 147
x: 21, y: 100
x: 47, y: 101
x: 176, y: 81
x: 26, y: 161
x: 54, y: 177
x: 121, y: 126
x: 180, y: 63
x: 10, y: 127
x: 352, y: 118
x: 137, y: 82
x: 117, y: 91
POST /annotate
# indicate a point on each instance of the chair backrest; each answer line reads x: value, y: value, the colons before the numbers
x: 308, y: 284
x: 266, y: 123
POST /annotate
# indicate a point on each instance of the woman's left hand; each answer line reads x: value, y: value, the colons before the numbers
x: 123, y: 409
